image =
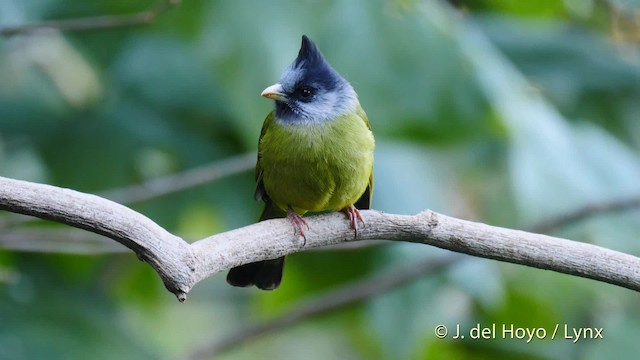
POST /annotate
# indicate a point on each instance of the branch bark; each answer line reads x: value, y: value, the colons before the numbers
x: 170, y: 256
x: 182, y: 265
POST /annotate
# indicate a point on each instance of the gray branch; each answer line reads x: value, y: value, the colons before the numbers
x: 341, y: 297
x: 95, y: 22
x: 182, y: 265
x: 169, y: 184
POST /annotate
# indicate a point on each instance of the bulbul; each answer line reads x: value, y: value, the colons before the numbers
x: 315, y: 154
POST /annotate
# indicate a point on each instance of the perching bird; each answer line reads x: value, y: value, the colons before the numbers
x: 315, y: 153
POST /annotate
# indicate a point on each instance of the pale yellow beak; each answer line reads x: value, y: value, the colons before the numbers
x: 274, y: 92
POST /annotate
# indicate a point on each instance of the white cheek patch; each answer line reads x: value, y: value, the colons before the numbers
x: 327, y: 106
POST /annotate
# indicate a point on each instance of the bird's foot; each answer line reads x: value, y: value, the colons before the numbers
x: 297, y: 221
x: 354, y: 216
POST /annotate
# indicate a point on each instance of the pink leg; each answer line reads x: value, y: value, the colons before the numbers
x: 354, y: 216
x: 297, y: 221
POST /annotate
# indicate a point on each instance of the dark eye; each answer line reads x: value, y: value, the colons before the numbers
x: 305, y: 92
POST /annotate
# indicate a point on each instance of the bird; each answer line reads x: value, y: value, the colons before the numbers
x: 315, y: 154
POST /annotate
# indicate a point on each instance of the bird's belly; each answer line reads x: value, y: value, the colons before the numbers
x: 316, y: 184
x: 326, y: 174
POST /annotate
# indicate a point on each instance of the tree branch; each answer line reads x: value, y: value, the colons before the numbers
x: 182, y: 265
x: 164, y: 185
x: 95, y: 22
x: 345, y: 295
x: 48, y: 239
x: 169, y: 184
x: 585, y: 212
x: 169, y: 255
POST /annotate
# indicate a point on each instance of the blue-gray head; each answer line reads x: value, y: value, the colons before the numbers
x: 310, y: 89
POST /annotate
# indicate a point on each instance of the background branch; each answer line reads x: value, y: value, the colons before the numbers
x: 95, y: 22
x: 181, y: 265
x: 341, y: 297
x: 169, y: 184
x: 585, y: 212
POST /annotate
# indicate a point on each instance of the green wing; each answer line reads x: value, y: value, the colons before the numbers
x: 261, y: 193
x: 363, y: 116
x: 365, y: 200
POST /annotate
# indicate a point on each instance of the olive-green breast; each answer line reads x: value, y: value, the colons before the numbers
x: 316, y: 166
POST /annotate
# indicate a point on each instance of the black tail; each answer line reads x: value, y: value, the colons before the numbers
x: 266, y: 275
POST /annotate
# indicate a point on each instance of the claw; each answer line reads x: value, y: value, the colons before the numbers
x: 354, y: 216
x: 297, y: 221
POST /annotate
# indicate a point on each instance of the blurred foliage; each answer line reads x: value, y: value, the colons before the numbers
x: 97, y: 110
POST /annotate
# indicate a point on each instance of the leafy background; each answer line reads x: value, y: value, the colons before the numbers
x: 510, y: 114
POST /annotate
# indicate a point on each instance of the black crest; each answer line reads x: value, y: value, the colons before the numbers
x: 309, y: 55
x: 315, y: 70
